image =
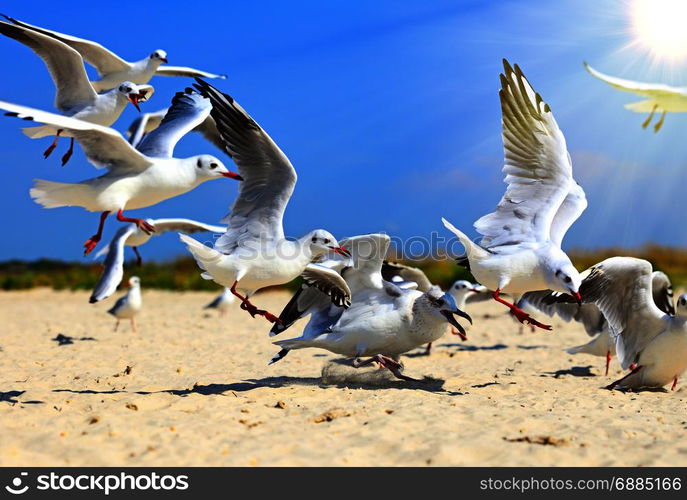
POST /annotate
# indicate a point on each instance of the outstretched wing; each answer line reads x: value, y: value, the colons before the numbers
x: 185, y: 226
x: 640, y: 88
x: 537, y: 167
x: 185, y: 71
x: 328, y: 282
x: 113, y: 266
x: 589, y: 315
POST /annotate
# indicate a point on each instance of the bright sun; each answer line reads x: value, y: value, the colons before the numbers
x: 660, y: 27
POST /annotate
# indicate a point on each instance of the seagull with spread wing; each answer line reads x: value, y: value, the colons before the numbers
x: 136, y: 178
x: 75, y: 96
x: 253, y: 253
x: 520, y: 249
x: 133, y: 236
x: 383, y: 320
x: 112, y: 69
x: 659, y: 96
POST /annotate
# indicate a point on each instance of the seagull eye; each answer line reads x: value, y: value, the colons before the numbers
x: 326, y: 241
x: 568, y: 279
x: 213, y: 165
x: 314, y: 239
x: 199, y: 164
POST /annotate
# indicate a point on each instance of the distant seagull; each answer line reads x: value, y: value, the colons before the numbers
x: 651, y: 343
x: 520, y: 250
x: 222, y: 302
x: 383, y: 321
x: 464, y: 292
x: 589, y: 315
x: 254, y: 253
x: 135, y: 178
x: 112, y: 69
x: 133, y: 236
x: 147, y: 122
x: 129, y: 306
x: 74, y: 96
x: 660, y: 97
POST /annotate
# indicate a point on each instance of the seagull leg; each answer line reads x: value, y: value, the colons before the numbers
x: 91, y: 242
x: 428, y: 349
x: 253, y: 310
x: 672, y: 387
x: 521, y: 315
x: 646, y: 122
x: 608, y: 361
x: 69, y: 152
x: 393, y: 366
x: 659, y: 124
x: 614, y: 384
x: 116, y: 325
x: 133, y: 324
x: 456, y: 332
x: 52, y: 147
x: 142, y: 224
x: 139, y: 260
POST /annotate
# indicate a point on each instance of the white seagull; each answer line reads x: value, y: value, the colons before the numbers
x: 135, y: 178
x: 133, y: 236
x: 74, y: 96
x: 253, y: 253
x: 520, y: 250
x: 222, y: 302
x: 651, y: 343
x: 128, y: 306
x: 114, y: 70
x: 659, y: 96
x: 591, y: 318
x: 383, y: 320
x: 464, y: 292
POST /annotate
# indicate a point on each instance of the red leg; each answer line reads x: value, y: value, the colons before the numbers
x: 139, y: 260
x: 672, y: 387
x: 634, y: 370
x: 142, y: 225
x: 252, y: 310
x: 69, y: 152
x: 52, y: 147
x: 91, y: 242
x: 608, y: 361
x: 521, y: 315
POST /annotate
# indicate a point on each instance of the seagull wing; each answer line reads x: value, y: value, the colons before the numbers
x: 662, y: 292
x: 184, y: 71
x: 113, y: 266
x: 269, y: 177
x: 185, y: 226
x: 64, y: 64
x: 104, y: 146
x: 95, y: 54
x: 189, y: 109
x: 367, y: 257
x: 570, y: 210
x: 328, y: 282
x: 589, y: 315
x: 406, y: 273
x: 537, y: 167
x: 652, y: 90
x: 143, y: 124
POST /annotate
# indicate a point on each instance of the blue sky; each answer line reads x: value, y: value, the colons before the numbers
x: 388, y: 110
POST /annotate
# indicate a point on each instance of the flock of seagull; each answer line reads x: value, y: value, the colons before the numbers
x: 359, y: 304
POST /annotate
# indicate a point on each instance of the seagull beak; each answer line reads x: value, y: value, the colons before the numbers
x: 232, y: 175
x: 578, y: 297
x: 164, y: 60
x: 474, y: 290
x: 133, y: 99
x: 452, y: 321
x: 341, y: 251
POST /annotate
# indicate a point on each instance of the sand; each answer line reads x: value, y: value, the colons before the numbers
x: 192, y: 389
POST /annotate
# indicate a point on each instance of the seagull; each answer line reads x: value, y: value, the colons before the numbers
x: 74, y: 96
x: 222, y: 301
x: 136, y: 178
x: 128, y: 306
x: 133, y: 236
x: 383, y: 320
x: 592, y: 319
x: 253, y: 253
x: 147, y: 122
x: 464, y: 292
x: 112, y: 69
x: 520, y: 250
x: 659, y: 96
x: 651, y: 343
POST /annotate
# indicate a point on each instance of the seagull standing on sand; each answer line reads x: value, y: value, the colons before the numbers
x: 111, y: 68
x: 135, y: 178
x: 254, y: 253
x: 133, y: 236
x: 222, y: 302
x: 520, y: 250
x: 383, y: 320
x: 74, y: 96
x: 651, y: 343
x: 659, y: 97
x: 129, y: 306
x: 589, y: 315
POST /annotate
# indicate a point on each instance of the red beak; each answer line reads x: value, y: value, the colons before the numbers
x: 232, y: 175
x: 342, y: 251
x: 474, y: 290
x: 133, y: 99
x: 578, y: 298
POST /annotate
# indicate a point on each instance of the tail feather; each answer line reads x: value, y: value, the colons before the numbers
x: 59, y: 194
x: 203, y: 254
x: 37, y: 132
x: 472, y: 250
x: 279, y: 356
x: 576, y: 350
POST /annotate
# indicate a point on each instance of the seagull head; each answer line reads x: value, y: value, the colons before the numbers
x: 159, y: 55
x: 444, y: 305
x: 134, y: 281
x: 134, y: 93
x: 566, y: 279
x: 321, y: 242
x: 208, y: 167
x: 462, y: 288
x: 681, y: 309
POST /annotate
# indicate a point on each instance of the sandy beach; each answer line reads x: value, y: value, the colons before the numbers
x: 193, y: 389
